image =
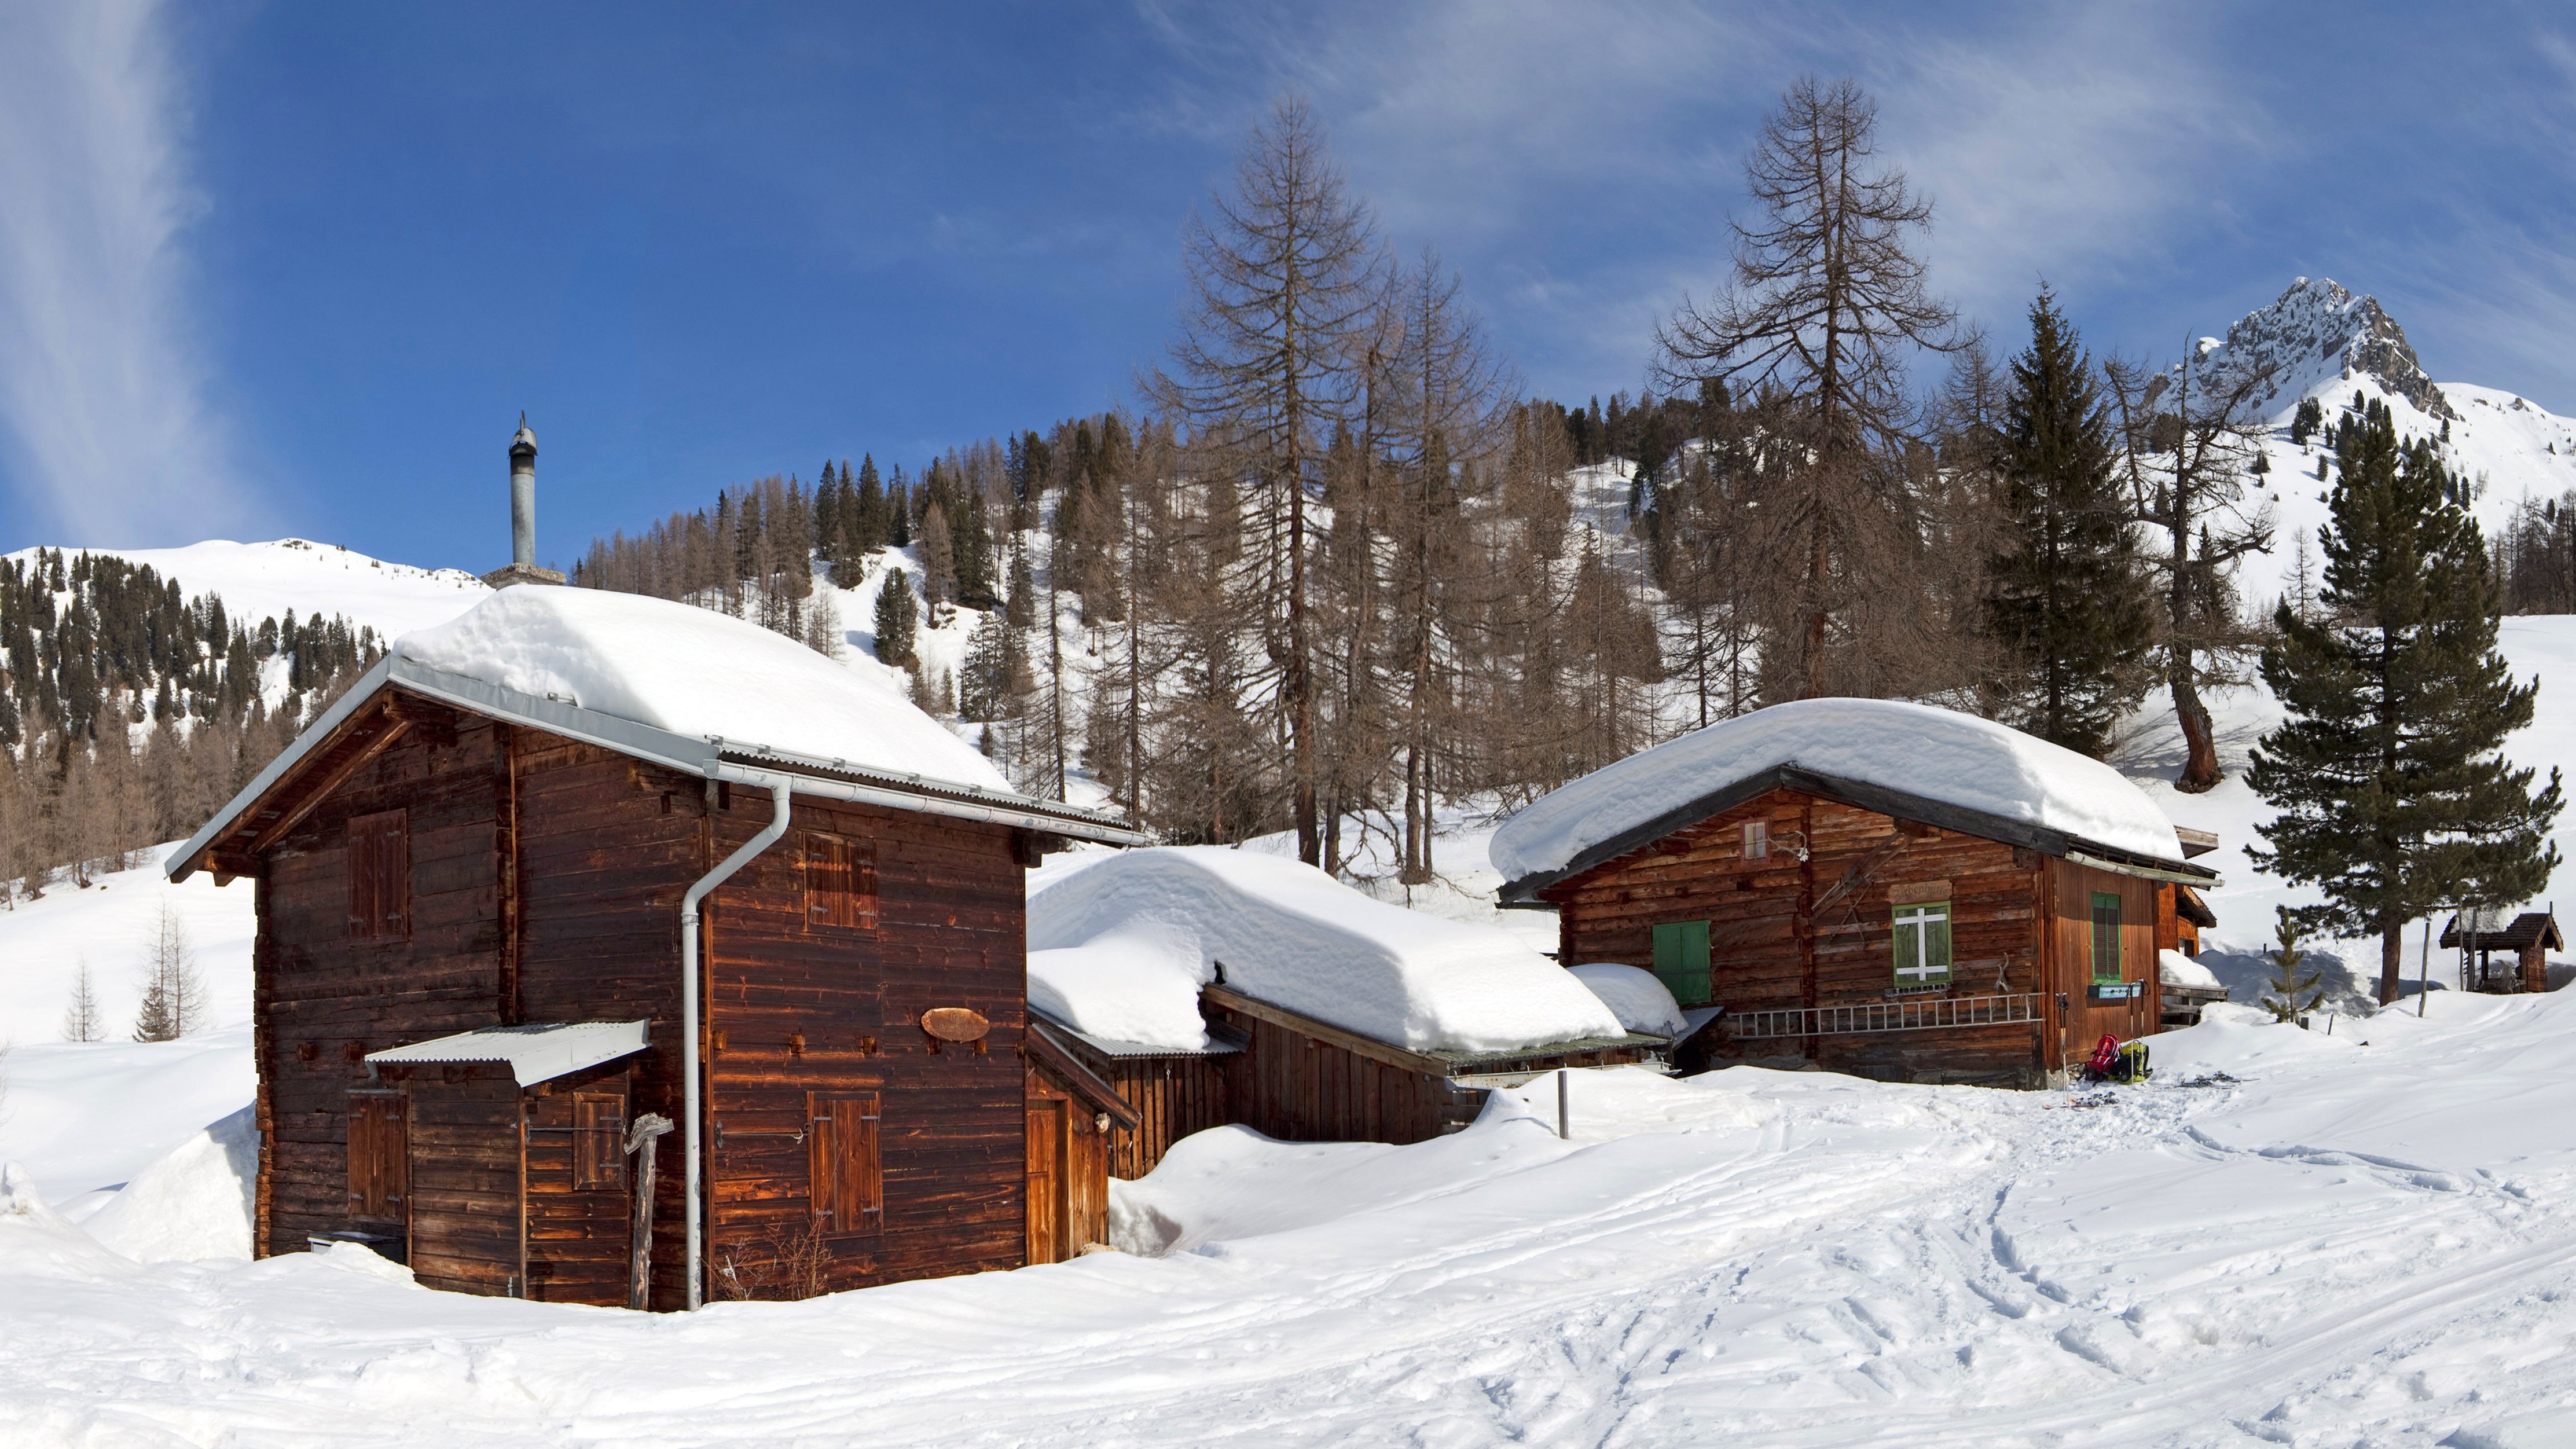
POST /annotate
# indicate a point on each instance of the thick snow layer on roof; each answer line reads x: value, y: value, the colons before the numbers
x: 1140, y: 985
x: 1939, y: 754
x: 2177, y: 969
x: 692, y: 672
x: 1293, y: 936
x: 1632, y: 993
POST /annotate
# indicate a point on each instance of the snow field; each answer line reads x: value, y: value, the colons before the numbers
x: 2349, y: 1244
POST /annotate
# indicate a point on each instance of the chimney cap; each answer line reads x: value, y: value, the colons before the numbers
x: 524, y: 436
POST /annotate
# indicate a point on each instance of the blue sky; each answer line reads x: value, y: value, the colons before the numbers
x: 293, y: 268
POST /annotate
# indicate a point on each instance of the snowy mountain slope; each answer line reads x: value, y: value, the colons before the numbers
x: 265, y: 580
x: 2325, y: 343
x: 2344, y: 1244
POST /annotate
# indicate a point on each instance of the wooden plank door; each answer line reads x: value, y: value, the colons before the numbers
x: 1047, y: 1206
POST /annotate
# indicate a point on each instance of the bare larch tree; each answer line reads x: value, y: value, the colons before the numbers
x: 1280, y: 276
x: 1825, y: 305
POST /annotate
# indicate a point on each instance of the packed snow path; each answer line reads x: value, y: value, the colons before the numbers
x: 2352, y: 1244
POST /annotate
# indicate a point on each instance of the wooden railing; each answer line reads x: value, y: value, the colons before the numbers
x: 1934, y: 1013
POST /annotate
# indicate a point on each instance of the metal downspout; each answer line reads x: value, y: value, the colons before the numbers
x: 692, y: 1092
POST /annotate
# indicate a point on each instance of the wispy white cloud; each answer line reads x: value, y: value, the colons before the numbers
x: 104, y: 400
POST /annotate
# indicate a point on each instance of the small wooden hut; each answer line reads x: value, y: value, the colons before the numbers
x: 1872, y: 887
x: 530, y: 881
x: 1431, y: 1013
x: 2482, y: 933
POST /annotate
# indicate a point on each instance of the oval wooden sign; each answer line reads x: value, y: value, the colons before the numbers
x: 955, y: 1023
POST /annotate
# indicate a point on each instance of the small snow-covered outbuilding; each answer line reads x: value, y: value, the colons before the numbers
x: 1212, y: 986
x: 1877, y: 887
x: 577, y: 859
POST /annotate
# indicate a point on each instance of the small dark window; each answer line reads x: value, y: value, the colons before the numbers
x: 846, y: 1180
x: 598, y: 1141
x: 378, y: 1178
x: 379, y: 876
x: 840, y: 883
x: 2106, y: 936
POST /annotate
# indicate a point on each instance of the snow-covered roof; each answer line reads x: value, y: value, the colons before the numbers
x: 1290, y: 935
x: 1997, y: 777
x: 692, y: 672
x: 537, y: 1052
x: 683, y: 687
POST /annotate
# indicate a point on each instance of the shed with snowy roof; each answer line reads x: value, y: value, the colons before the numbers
x: 577, y: 859
x: 1213, y: 986
x: 1870, y: 886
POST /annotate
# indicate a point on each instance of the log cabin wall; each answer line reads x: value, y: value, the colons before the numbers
x: 800, y: 1010
x: 2086, y: 1021
x: 1175, y: 1095
x: 1298, y: 1088
x: 323, y: 996
x: 1787, y: 933
x: 602, y: 848
x: 580, y: 1207
x: 468, y: 1228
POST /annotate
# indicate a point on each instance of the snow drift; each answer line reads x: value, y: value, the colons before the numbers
x: 1632, y: 993
x: 1289, y: 934
x: 692, y: 672
x: 1936, y: 753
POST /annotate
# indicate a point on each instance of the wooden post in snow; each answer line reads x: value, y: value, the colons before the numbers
x: 1564, y: 1117
x: 639, y: 1260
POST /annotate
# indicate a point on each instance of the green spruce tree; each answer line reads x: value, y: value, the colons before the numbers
x: 2069, y: 606
x: 895, y: 619
x: 2289, y: 983
x: 2388, y: 776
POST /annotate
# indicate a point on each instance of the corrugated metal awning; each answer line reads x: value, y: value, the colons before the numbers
x: 536, y: 1052
x: 1218, y: 1044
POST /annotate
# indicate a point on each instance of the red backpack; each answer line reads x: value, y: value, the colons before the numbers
x: 2105, y: 1057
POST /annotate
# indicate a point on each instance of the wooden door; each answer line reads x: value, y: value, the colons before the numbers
x: 1048, y: 1216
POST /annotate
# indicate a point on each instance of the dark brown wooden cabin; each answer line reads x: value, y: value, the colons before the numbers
x: 1073, y: 1116
x: 2482, y: 933
x: 437, y: 858
x: 1866, y: 930
x: 1173, y: 1091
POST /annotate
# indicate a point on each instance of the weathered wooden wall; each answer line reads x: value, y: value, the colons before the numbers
x: 602, y: 848
x: 322, y: 999
x: 794, y: 1009
x: 1175, y: 1095
x: 1786, y: 932
x: 468, y: 1178
x: 1296, y: 1087
x: 579, y: 1236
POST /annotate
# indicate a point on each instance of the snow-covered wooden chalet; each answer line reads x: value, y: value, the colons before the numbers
x: 1212, y: 987
x: 577, y: 865
x: 1881, y: 888
x: 2482, y: 933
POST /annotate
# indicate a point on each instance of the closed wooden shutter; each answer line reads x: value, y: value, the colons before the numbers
x: 846, y: 1181
x: 379, y: 868
x: 379, y: 1179
x: 840, y: 883
x: 599, y: 1127
x: 1682, y: 960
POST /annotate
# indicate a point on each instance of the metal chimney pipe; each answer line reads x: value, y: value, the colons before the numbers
x: 523, y: 496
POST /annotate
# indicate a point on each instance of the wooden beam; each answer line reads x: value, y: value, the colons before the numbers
x: 319, y: 789
x: 1370, y: 1047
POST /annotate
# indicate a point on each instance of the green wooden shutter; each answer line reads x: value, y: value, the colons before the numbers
x: 1922, y: 944
x: 1681, y: 960
x: 2106, y: 936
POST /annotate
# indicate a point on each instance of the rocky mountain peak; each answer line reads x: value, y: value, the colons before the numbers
x: 2316, y: 330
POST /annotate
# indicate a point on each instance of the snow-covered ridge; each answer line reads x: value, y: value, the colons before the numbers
x: 266, y: 580
x: 1920, y: 749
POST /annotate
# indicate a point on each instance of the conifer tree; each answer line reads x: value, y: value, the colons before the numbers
x: 2288, y: 982
x: 895, y: 618
x: 2388, y: 776
x: 2069, y: 608
x: 938, y: 567
x: 83, y: 1019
